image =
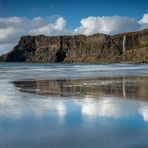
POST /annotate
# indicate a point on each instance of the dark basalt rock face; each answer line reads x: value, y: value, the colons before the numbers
x: 97, y: 48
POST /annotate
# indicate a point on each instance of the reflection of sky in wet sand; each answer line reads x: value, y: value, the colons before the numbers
x: 74, y: 111
x: 143, y: 110
x: 15, y: 104
x: 45, y: 120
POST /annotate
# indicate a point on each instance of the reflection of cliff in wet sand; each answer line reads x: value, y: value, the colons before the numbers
x: 134, y: 87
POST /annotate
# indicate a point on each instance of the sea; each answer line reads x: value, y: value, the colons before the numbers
x: 73, y: 105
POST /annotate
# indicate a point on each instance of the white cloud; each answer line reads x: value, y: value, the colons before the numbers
x: 59, y: 24
x: 10, y: 33
x: 144, y: 21
x: 13, y: 27
x: 107, y: 25
x: 51, y: 28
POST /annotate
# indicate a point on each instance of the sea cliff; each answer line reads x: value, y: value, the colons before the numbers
x: 129, y: 47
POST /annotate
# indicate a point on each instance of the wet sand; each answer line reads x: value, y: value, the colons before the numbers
x: 73, y: 106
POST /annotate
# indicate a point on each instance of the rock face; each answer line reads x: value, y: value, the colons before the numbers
x: 97, y: 48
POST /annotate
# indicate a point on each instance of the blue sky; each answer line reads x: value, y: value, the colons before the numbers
x: 73, y: 10
x: 59, y: 17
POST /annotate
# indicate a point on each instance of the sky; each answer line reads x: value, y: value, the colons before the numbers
x: 58, y: 17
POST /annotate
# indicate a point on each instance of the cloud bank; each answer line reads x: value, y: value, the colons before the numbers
x: 107, y: 25
x: 13, y: 27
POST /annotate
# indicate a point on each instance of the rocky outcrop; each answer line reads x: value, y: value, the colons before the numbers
x: 97, y: 48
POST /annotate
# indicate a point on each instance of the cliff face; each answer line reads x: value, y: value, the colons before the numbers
x: 98, y: 48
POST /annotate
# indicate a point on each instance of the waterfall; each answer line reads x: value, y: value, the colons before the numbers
x: 123, y: 44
